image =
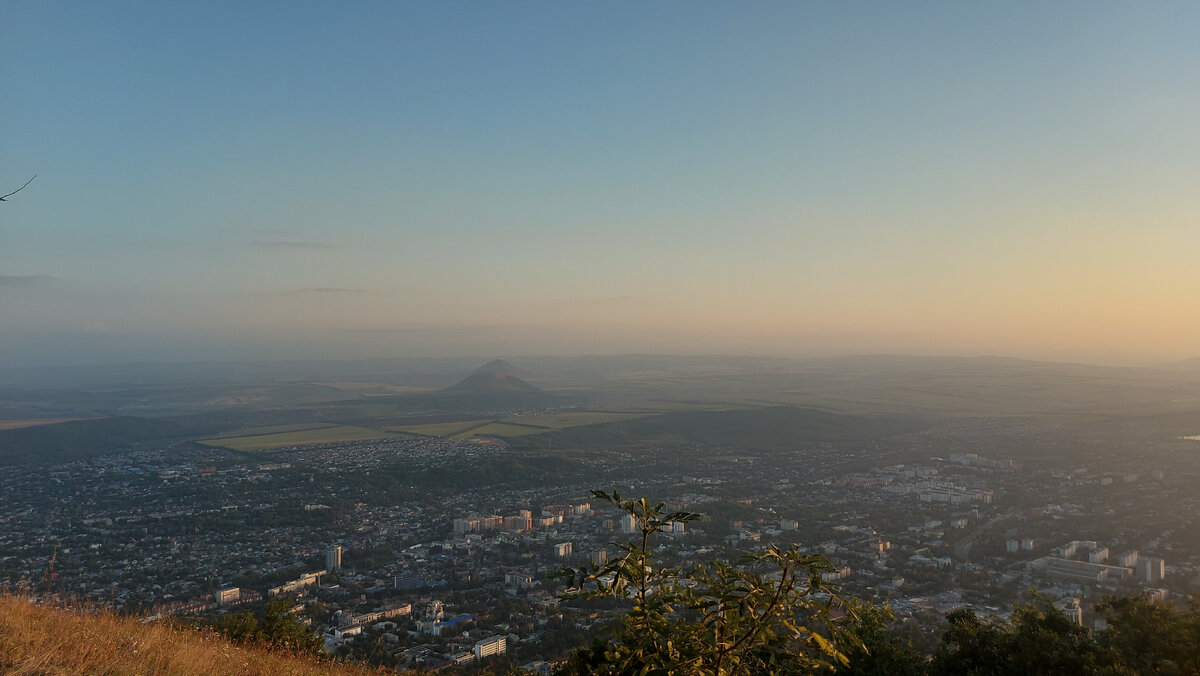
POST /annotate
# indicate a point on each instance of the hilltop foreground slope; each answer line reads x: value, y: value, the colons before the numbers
x: 38, y: 639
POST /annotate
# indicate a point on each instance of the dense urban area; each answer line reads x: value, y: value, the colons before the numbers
x: 428, y: 552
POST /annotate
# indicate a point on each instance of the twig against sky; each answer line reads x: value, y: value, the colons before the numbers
x: 3, y: 198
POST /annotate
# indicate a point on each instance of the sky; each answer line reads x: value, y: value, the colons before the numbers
x: 230, y: 180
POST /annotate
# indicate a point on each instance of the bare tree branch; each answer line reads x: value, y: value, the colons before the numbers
x: 18, y: 189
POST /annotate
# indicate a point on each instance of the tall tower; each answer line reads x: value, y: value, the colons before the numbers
x: 1071, y: 608
x: 628, y: 524
x: 1151, y: 570
x: 333, y: 558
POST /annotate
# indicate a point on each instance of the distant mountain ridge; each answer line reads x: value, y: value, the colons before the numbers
x: 1192, y: 364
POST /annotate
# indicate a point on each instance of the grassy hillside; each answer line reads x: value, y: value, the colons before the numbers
x: 37, y: 639
x: 758, y: 428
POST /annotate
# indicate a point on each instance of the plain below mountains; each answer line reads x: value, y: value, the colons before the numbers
x: 756, y: 429
x: 506, y: 368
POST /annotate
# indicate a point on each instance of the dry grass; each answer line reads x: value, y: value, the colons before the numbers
x: 37, y: 639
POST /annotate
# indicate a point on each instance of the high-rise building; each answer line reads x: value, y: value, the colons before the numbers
x: 518, y: 579
x: 563, y: 549
x: 628, y: 524
x: 1151, y: 570
x: 333, y: 558
x: 228, y: 595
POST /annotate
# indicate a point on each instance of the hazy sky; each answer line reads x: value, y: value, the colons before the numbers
x: 292, y: 179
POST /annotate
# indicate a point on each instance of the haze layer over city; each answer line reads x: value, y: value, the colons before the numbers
x: 357, y: 307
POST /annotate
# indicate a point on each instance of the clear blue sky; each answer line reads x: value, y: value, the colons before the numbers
x: 241, y: 180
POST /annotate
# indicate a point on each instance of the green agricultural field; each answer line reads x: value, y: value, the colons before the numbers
x: 259, y: 430
x: 321, y: 435
x: 33, y: 422
x: 767, y: 429
x: 517, y: 426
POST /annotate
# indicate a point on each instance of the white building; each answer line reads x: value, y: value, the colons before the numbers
x: 298, y: 584
x: 228, y: 596
x: 518, y: 579
x: 495, y: 645
x: 1071, y: 608
x: 836, y: 574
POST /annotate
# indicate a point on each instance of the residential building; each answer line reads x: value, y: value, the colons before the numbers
x: 494, y: 645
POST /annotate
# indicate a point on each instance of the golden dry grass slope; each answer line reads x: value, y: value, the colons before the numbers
x: 38, y: 639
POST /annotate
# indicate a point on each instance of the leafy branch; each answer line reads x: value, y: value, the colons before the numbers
x: 770, y: 612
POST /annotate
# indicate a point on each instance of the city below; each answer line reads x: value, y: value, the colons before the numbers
x: 439, y: 542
